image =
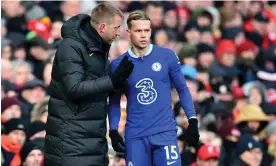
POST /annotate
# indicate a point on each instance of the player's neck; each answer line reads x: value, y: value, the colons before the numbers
x: 140, y: 52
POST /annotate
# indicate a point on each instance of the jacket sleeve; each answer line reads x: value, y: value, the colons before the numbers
x: 71, y: 71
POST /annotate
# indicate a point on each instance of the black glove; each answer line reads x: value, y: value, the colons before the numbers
x: 117, y: 141
x: 121, y: 74
x: 192, y: 133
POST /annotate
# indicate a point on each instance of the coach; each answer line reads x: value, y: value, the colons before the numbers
x: 76, y: 125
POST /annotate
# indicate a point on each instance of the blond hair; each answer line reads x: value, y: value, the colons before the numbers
x: 136, y: 15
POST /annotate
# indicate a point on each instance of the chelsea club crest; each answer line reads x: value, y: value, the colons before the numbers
x: 156, y: 66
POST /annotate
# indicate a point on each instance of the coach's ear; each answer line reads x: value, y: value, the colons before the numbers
x: 102, y: 27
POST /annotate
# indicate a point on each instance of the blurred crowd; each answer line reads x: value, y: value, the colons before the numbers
x: 228, y: 55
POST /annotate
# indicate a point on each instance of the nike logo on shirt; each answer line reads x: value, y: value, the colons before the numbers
x: 170, y: 162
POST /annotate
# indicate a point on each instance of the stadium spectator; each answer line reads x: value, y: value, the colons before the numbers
x: 12, y: 141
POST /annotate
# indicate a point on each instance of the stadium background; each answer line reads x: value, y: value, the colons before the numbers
x: 227, y: 50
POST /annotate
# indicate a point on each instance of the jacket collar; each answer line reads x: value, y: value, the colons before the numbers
x: 93, y: 39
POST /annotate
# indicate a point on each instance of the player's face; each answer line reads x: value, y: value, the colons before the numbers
x: 140, y: 33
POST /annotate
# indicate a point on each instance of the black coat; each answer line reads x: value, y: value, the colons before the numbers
x: 76, y: 125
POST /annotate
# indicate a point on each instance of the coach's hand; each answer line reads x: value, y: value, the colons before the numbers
x: 122, y: 72
x: 117, y: 141
x: 192, y: 133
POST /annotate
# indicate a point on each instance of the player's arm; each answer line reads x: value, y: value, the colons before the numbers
x: 180, y: 85
x: 71, y: 70
x: 114, y: 115
x: 114, y: 109
x: 179, y: 82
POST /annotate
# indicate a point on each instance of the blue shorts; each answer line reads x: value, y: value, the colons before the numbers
x: 156, y: 150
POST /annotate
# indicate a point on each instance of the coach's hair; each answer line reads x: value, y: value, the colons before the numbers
x: 104, y: 12
x: 136, y: 15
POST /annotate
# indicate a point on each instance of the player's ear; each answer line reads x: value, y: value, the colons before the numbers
x: 128, y: 35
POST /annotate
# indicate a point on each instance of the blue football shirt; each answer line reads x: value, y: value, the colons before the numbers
x: 148, y: 92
